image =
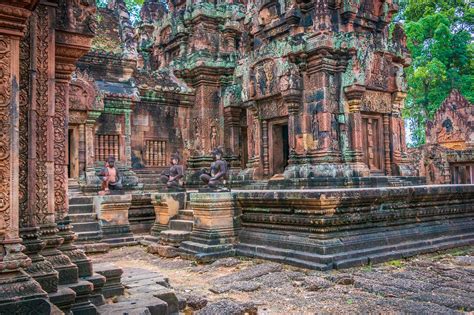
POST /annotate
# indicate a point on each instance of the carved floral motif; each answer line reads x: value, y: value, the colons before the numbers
x: 5, y: 125
x: 42, y: 106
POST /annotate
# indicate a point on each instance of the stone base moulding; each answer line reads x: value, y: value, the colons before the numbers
x: 339, y: 228
x: 215, y: 227
x: 112, y: 213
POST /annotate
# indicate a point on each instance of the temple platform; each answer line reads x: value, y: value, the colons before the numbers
x: 314, y: 228
x: 339, y: 228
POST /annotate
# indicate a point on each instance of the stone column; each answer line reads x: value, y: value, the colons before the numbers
x: 293, y: 99
x: 128, y: 143
x: 42, y: 140
x: 82, y: 150
x: 19, y: 290
x: 354, y: 96
x: 386, y: 140
x: 41, y: 270
x: 69, y: 48
x: 91, y: 178
x: 266, y: 158
x: 232, y: 137
x: 232, y: 130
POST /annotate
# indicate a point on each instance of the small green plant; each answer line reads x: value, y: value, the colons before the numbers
x: 395, y: 263
x: 368, y: 268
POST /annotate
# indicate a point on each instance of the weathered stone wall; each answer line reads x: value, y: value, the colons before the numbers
x: 151, y: 124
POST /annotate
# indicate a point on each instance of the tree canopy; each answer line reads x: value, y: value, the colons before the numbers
x: 133, y: 7
x: 440, y: 40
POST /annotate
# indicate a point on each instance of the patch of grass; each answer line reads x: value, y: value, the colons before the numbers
x: 462, y: 251
x: 367, y: 268
x: 350, y: 301
x: 397, y: 263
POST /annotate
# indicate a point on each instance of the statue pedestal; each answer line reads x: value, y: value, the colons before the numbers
x: 167, y: 206
x: 112, y: 213
x: 215, y: 225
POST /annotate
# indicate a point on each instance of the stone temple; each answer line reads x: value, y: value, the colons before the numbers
x: 303, y: 98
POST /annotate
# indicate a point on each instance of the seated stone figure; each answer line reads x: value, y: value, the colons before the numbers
x: 111, y: 179
x: 215, y: 179
x: 172, y: 177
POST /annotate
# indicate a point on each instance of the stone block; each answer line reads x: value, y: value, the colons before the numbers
x: 112, y: 213
x: 113, y: 275
x: 215, y: 227
x: 163, y: 250
x: 167, y: 206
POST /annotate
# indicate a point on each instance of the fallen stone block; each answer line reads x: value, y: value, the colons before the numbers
x: 228, y: 307
x: 163, y: 250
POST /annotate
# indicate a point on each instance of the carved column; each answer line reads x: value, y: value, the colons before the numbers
x: 127, y: 138
x: 293, y: 101
x: 89, y: 132
x: 254, y: 134
x: 42, y: 134
x: 395, y: 128
x: 41, y: 270
x: 354, y: 96
x: 16, y: 286
x: 266, y: 158
x: 386, y: 140
x: 82, y: 150
x: 397, y: 137
x: 232, y: 130
x: 69, y: 48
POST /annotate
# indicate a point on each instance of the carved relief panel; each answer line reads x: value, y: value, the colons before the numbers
x: 264, y: 79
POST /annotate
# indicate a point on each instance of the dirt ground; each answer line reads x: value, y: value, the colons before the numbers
x: 439, y: 283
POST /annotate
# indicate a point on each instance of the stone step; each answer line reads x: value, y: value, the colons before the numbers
x: 63, y: 298
x: 187, y: 215
x: 89, y: 236
x: 81, y: 209
x: 86, y: 227
x: 80, y: 200
x: 83, y: 217
x: 151, y: 187
x: 174, y: 237
x: 181, y: 225
x: 149, y: 305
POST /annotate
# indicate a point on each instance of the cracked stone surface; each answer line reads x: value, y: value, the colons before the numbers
x: 439, y: 283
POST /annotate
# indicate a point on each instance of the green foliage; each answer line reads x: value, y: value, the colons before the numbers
x: 133, y: 7
x: 395, y: 263
x: 439, y: 37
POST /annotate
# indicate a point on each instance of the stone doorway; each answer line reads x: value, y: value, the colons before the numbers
x: 373, y: 146
x: 279, y: 148
x: 73, y: 153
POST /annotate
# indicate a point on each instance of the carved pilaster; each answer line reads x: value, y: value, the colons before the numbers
x: 354, y: 95
x: 70, y: 46
x: 232, y: 132
x: 41, y: 270
x: 386, y: 141
x: 265, y: 144
x: 15, y: 285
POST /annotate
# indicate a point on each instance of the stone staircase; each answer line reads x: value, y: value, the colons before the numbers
x: 84, y: 219
x: 74, y: 187
x: 180, y: 229
x: 150, y: 178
